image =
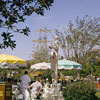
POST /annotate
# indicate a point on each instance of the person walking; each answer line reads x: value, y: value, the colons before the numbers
x: 36, y: 89
x: 24, y: 83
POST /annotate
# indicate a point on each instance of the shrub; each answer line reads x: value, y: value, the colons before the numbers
x: 80, y: 91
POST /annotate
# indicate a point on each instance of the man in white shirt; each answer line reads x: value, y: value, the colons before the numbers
x: 25, y: 81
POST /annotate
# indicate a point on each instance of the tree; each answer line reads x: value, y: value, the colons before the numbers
x: 79, y: 40
x: 83, y: 90
x: 14, y: 11
x: 41, y: 54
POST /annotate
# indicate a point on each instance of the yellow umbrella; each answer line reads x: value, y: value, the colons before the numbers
x: 11, y: 59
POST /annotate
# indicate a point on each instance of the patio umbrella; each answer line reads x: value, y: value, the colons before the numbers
x: 8, y: 61
x: 43, y: 65
x: 68, y: 64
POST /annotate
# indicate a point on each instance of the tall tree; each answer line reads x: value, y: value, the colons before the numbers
x: 79, y: 39
x: 41, y: 54
x: 14, y: 11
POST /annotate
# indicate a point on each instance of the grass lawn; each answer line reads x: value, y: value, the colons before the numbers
x: 98, y: 94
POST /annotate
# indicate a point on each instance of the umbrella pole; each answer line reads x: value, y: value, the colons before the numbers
x: 78, y: 72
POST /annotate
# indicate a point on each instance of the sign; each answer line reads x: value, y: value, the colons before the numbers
x: 5, y: 91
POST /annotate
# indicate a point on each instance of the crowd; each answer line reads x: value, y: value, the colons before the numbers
x: 37, y: 88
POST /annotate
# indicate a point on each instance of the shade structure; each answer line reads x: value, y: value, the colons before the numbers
x: 43, y: 66
x: 8, y: 61
x: 68, y: 64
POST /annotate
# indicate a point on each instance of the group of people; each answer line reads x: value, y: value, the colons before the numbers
x: 35, y: 89
x: 32, y: 89
x: 25, y: 84
x: 4, y: 77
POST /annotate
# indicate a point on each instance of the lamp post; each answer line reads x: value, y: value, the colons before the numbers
x: 54, y: 63
x: 92, y: 61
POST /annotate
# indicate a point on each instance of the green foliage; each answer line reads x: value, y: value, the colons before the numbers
x: 15, y: 11
x: 41, y: 55
x: 69, y: 72
x: 28, y: 64
x: 97, y: 71
x: 98, y: 94
x: 20, y: 73
x: 80, y: 91
x: 97, y: 61
x: 47, y: 74
x: 86, y: 71
x: 7, y: 41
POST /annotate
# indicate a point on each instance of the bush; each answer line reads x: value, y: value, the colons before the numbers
x: 80, y: 91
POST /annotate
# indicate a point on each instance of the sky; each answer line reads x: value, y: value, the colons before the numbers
x: 60, y: 13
